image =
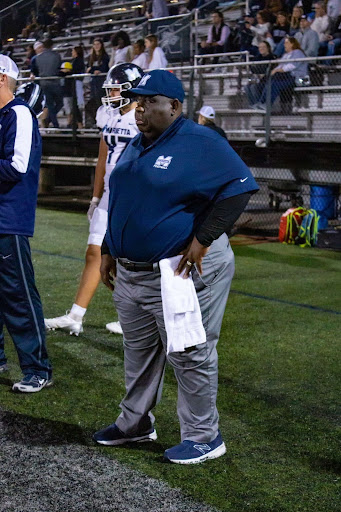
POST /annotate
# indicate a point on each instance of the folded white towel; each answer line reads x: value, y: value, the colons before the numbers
x: 181, y: 310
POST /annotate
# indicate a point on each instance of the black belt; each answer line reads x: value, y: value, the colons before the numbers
x: 139, y: 266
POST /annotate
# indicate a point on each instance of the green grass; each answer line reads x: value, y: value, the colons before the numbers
x: 279, y: 384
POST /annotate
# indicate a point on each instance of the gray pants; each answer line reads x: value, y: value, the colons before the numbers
x: 137, y: 297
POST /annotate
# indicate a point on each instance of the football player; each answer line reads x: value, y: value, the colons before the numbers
x: 116, y: 118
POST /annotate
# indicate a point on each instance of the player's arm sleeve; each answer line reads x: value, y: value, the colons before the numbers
x: 17, y: 145
x: 221, y: 218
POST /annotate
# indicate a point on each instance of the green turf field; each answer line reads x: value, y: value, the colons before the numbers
x: 279, y: 392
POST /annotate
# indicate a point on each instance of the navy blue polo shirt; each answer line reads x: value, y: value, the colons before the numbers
x: 160, y: 195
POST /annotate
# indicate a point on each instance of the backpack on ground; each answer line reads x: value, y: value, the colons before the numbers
x: 299, y: 226
x: 307, y: 234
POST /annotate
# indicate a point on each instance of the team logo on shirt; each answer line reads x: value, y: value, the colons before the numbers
x: 162, y: 162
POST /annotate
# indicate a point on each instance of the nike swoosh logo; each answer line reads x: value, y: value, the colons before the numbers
x: 5, y: 257
x: 242, y: 181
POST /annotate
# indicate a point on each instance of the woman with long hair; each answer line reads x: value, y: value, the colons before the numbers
x: 284, y: 75
x: 260, y: 31
x: 121, y: 49
x: 295, y: 20
x: 156, y: 57
x: 140, y: 57
x: 98, y: 64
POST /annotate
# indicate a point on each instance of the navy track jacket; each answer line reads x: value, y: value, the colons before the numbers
x: 20, y: 154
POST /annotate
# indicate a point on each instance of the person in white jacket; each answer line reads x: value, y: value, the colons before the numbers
x: 321, y: 22
x: 156, y: 56
x: 260, y: 31
x: 140, y: 57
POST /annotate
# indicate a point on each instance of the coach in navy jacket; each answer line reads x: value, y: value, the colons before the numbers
x: 175, y: 191
x: 20, y: 305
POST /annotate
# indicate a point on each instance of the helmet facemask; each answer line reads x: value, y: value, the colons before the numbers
x: 115, y: 102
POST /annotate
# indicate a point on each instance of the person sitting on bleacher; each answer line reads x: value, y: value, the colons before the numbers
x: 284, y: 75
x: 139, y: 53
x: 334, y: 9
x: 256, y: 6
x: 155, y: 54
x: 277, y: 34
x: 260, y: 31
x: 321, y: 22
x: 256, y: 83
x: 333, y: 44
x: 297, y: 12
x: 273, y: 7
x: 121, y: 49
x: 308, y: 38
x: 217, y: 37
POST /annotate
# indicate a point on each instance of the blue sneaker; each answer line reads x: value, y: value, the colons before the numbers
x: 192, y: 452
x: 31, y: 384
x: 112, y: 436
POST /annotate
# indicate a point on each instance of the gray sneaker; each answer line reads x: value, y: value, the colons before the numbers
x: 3, y: 368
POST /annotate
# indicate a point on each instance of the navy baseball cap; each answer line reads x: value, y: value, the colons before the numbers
x: 159, y: 81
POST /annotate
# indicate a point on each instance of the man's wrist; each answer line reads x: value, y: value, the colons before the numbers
x: 95, y: 200
x: 104, y: 248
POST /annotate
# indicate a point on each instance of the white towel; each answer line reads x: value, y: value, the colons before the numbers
x: 181, y: 310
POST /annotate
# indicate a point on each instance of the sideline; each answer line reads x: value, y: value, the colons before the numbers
x: 287, y: 302
x: 237, y: 292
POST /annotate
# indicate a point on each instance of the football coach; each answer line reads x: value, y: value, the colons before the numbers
x: 20, y: 305
x: 175, y: 192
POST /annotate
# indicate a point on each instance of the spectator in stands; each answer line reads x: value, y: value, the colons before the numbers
x: 284, y: 75
x: 59, y: 18
x: 273, y: 7
x: 33, y: 28
x: 38, y: 48
x: 297, y: 13
x: 156, y: 56
x: 246, y: 34
x: 259, y: 71
x: 321, y: 22
x: 217, y: 38
x: 256, y: 6
x: 334, y: 9
x: 307, y: 38
x: 333, y: 44
x: 30, y: 53
x: 44, y: 17
x: 121, y: 49
x: 47, y: 64
x: 66, y: 70
x: 140, y: 57
x: 157, y: 9
x: 98, y: 63
x: 260, y: 31
x: 279, y: 31
x: 207, y: 117
x: 78, y: 67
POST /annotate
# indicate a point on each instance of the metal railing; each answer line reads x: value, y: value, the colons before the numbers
x: 246, y: 105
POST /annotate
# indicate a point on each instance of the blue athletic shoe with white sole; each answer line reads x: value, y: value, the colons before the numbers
x: 193, y: 452
x: 112, y: 436
x: 31, y: 384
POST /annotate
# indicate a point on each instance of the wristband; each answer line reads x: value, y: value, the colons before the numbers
x: 95, y: 200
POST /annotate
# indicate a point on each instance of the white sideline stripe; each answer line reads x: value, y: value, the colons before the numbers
x: 29, y: 297
x: 23, y: 138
